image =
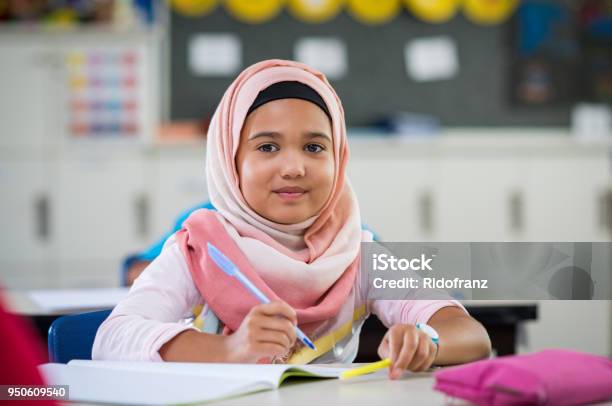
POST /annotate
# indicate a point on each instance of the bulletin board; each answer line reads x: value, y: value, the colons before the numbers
x: 480, y: 94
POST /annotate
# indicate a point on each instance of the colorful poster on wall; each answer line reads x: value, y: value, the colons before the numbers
x: 595, y: 30
x: 105, y: 93
x: 545, y: 56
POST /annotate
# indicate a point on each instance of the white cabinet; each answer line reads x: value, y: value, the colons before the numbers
x: 101, y: 216
x: 564, y: 198
x: 474, y: 188
x: 28, y: 104
x: 27, y: 229
x: 393, y: 196
x: 563, y: 323
x: 475, y: 198
x: 73, y: 208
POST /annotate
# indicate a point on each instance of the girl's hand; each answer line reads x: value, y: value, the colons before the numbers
x: 408, y: 348
x: 266, y: 331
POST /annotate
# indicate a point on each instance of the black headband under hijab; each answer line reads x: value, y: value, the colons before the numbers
x: 289, y: 90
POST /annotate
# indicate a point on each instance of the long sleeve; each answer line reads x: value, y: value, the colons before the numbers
x: 392, y: 312
x: 150, y: 315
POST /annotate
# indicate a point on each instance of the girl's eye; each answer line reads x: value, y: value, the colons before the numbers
x: 314, y: 148
x: 267, y: 148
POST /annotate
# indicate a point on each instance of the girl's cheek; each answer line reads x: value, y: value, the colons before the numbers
x: 251, y: 169
x: 330, y: 172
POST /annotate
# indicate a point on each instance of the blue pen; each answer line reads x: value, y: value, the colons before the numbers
x: 230, y: 269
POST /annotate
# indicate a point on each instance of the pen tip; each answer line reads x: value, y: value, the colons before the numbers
x: 310, y: 344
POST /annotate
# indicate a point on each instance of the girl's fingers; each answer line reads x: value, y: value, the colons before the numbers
x: 395, y: 345
x: 274, y: 337
x: 407, y: 348
x: 407, y: 353
x: 396, y: 339
x: 278, y: 324
x: 421, y: 353
x: 288, y: 338
x: 429, y: 360
x: 277, y: 308
x: 383, y: 348
x: 267, y: 349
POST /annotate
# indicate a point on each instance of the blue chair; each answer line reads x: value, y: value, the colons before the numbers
x: 72, y: 336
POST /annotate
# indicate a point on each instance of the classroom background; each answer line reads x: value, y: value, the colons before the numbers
x: 468, y: 120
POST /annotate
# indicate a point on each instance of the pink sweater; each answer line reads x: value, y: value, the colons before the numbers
x: 165, y: 293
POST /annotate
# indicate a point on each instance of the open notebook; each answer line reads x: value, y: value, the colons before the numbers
x: 162, y: 383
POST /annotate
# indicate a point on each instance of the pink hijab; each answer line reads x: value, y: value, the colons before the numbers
x: 311, y: 265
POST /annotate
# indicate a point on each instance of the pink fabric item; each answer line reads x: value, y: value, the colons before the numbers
x: 312, y: 238
x: 227, y: 297
x: 551, y: 377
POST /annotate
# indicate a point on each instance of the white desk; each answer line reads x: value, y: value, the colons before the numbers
x: 62, y: 301
x: 22, y: 302
x: 412, y: 389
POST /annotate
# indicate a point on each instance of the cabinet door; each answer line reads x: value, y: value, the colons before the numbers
x: 562, y: 323
x: 390, y: 194
x: 563, y: 198
x: 28, y: 111
x: 474, y: 199
x: 27, y: 228
x: 178, y: 181
x: 100, y: 218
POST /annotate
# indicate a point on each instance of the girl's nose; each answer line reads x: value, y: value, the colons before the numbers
x: 292, y: 166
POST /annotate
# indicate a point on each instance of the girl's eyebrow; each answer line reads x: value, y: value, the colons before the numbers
x: 315, y: 134
x: 271, y: 134
x: 275, y: 134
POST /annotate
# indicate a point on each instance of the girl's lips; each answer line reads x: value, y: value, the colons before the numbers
x: 290, y: 196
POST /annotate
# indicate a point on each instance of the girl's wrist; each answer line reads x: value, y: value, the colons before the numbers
x: 195, y: 346
x: 228, y: 349
x: 231, y: 349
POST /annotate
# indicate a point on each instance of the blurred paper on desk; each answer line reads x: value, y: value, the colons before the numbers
x: 77, y: 299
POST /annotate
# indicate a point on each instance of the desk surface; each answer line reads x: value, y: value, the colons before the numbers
x: 372, y: 390
x: 62, y: 301
x: 412, y: 389
x: 21, y: 302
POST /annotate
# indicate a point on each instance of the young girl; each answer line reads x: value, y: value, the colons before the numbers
x: 288, y: 218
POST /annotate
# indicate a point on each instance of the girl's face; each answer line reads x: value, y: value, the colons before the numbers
x: 285, y: 160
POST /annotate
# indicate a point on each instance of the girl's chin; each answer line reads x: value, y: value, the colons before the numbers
x: 289, y: 220
x: 288, y: 216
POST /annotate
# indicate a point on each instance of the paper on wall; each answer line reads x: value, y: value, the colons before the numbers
x: 327, y: 54
x: 215, y: 54
x: 429, y: 59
